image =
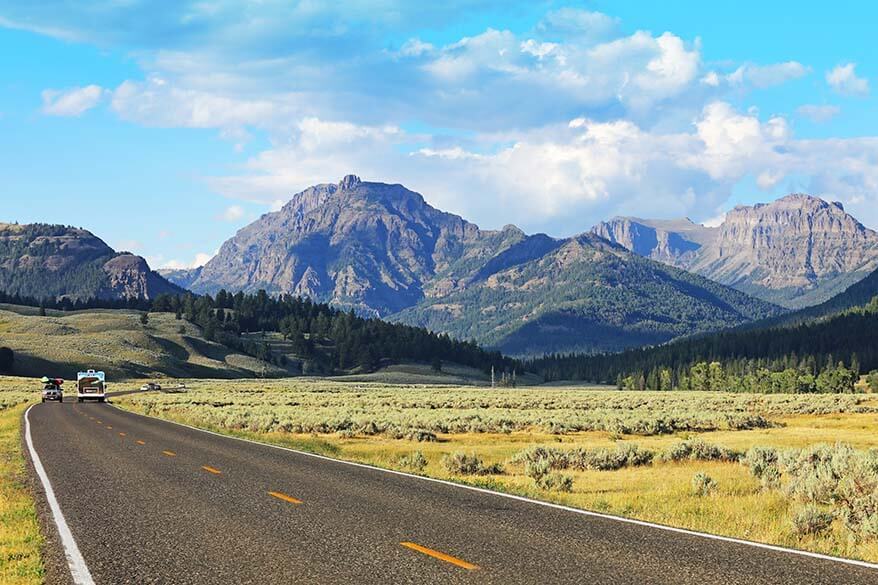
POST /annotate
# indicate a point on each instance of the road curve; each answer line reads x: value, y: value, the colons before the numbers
x: 149, y: 501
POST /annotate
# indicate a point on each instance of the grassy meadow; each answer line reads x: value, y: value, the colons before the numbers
x: 20, y: 538
x: 116, y: 341
x: 682, y: 459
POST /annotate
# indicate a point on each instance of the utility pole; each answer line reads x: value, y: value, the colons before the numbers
x: 492, y: 377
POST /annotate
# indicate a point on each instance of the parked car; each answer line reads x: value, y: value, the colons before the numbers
x: 52, y: 389
x: 151, y: 386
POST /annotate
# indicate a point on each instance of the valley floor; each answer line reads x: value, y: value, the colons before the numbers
x: 486, y: 437
x: 435, y: 431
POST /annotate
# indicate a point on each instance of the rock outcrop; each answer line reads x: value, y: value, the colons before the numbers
x: 797, y: 251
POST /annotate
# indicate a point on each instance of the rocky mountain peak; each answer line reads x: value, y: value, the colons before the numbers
x: 795, y: 251
x: 349, y: 182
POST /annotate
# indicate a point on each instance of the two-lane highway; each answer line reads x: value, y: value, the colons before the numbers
x: 149, y: 501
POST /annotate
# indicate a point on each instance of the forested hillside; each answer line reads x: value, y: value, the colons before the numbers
x: 326, y: 340
x: 55, y: 261
x: 820, y: 355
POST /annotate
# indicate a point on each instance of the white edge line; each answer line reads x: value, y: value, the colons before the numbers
x: 78, y: 568
x: 582, y: 512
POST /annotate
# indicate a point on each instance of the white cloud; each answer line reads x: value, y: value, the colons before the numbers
x: 843, y: 79
x: 762, y: 76
x: 155, y: 102
x: 564, y: 177
x: 71, y: 102
x: 583, y: 25
x: 200, y: 259
x: 818, y: 113
x: 232, y: 213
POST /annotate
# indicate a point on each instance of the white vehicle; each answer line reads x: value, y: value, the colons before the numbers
x: 91, y: 385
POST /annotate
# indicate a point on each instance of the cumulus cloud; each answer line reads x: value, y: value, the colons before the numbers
x: 71, y: 102
x: 564, y: 177
x: 843, y: 80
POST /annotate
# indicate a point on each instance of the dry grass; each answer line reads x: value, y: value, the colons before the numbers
x: 660, y: 492
x: 20, y: 538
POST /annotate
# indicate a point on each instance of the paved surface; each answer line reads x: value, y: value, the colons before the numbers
x: 153, y: 502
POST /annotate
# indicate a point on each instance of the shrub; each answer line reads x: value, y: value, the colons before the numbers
x: 763, y: 464
x: 414, y: 461
x: 698, y: 450
x: 462, y: 464
x: 810, y: 520
x: 703, y: 484
x: 555, y: 482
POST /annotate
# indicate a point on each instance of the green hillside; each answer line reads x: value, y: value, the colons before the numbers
x: 116, y: 341
x: 582, y: 294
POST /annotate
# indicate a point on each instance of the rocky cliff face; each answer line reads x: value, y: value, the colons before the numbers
x: 796, y: 251
x: 674, y: 242
x: 41, y: 261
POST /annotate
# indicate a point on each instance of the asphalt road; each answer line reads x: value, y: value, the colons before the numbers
x: 153, y: 502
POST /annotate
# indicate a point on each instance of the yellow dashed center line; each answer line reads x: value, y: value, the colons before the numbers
x: 140, y: 442
x: 210, y: 469
x: 169, y: 453
x: 121, y: 434
x: 110, y: 428
x: 441, y: 556
x: 285, y: 497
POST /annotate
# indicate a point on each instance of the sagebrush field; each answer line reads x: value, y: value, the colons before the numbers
x: 794, y: 470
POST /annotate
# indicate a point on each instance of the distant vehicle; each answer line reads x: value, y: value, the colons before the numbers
x: 52, y: 389
x: 91, y: 385
x: 151, y: 386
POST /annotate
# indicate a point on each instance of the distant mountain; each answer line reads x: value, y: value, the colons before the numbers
x: 182, y: 277
x: 40, y: 261
x: 797, y: 251
x: 382, y: 250
x: 581, y: 294
x: 858, y: 294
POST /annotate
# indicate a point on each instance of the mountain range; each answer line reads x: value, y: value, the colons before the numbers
x: 382, y: 250
x: 796, y: 252
x: 55, y: 261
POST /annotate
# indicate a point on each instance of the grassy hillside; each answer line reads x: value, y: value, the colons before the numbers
x: 116, y: 341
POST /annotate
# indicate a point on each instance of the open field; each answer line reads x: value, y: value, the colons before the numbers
x: 20, y: 538
x: 60, y: 344
x: 635, y: 454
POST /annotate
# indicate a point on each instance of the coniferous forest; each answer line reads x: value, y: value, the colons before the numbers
x: 825, y: 355
x: 326, y: 338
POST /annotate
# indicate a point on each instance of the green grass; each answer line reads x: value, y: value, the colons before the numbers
x: 361, y: 422
x: 20, y: 538
x: 61, y: 344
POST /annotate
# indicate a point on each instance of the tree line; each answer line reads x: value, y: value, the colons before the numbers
x: 327, y: 339
x: 821, y: 355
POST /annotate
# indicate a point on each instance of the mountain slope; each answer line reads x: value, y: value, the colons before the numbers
x: 382, y: 250
x: 40, y: 261
x: 369, y: 246
x: 797, y: 251
x: 581, y: 294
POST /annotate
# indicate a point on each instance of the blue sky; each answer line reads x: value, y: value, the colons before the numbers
x: 164, y: 127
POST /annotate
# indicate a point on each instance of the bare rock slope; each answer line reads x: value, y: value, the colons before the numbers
x: 797, y: 251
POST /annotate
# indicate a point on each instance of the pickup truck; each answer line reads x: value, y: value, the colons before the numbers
x: 52, y: 389
x: 91, y: 385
